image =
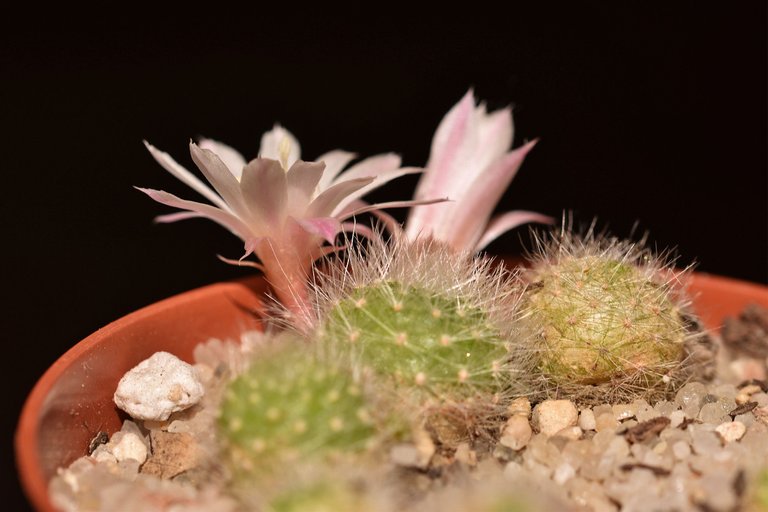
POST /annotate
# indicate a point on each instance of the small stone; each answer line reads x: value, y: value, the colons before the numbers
x: 705, y: 442
x: 573, y: 433
x: 519, y: 407
x: 747, y: 419
x: 587, y: 420
x: 748, y: 369
x: 563, y: 473
x: 465, y: 455
x: 714, y: 413
x: 731, y: 431
x: 665, y: 408
x: 517, y: 432
x: 624, y: 411
x: 676, y: 418
x: 551, y: 416
x: 127, y: 445
x: 750, y: 389
x: 691, y: 393
x: 405, y: 454
x: 172, y: 454
x: 681, y: 450
x: 606, y: 421
x: 158, y: 387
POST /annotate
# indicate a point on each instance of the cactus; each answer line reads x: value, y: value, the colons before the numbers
x: 293, y: 404
x: 432, y: 322
x: 606, y: 317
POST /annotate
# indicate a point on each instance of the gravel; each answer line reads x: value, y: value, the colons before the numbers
x: 702, y: 449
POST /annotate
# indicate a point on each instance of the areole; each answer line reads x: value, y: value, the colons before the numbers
x: 72, y: 401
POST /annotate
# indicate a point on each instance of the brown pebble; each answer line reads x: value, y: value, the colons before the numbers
x: 639, y: 465
x: 646, y: 429
x: 686, y: 422
x: 763, y: 385
x: 172, y: 454
x: 743, y: 409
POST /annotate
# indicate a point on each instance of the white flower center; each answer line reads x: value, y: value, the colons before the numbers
x: 284, y: 150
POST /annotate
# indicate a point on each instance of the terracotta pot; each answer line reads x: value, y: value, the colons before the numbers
x: 73, y: 399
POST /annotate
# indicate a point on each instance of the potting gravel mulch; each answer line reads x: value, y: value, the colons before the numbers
x: 705, y: 449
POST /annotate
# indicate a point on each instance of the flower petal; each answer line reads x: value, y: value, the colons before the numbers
x: 226, y: 219
x: 221, y: 178
x: 325, y: 204
x: 302, y: 180
x: 279, y: 144
x: 372, y: 166
x: 170, y: 165
x: 326, y: 227
x: 381, y: 179
x: 502, y: 223
x: 334, y: 162
x: 464, y: 224
x: 390, y: 204
x: 230, y: 156
x: 266, y: 191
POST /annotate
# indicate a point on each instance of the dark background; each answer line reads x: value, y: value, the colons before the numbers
x: 646, y: 112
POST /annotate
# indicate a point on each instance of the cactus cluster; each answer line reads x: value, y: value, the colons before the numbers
x: 606, y: 320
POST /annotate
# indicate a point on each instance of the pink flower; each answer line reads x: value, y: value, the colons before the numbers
x: 470, y: 165
x: 283, y: 208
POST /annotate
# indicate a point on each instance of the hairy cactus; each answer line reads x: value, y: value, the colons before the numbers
x: 293, y: 405
x: 434, y: 323
x: 607, y: 318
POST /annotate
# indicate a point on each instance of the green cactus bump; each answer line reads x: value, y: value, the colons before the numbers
x: 434, y: 323
x: 292, y: 405
x: 605, y: 317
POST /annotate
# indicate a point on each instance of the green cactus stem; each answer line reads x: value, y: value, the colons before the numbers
x: 606, y: 316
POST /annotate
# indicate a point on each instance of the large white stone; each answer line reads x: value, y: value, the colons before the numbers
x: 158, y: 387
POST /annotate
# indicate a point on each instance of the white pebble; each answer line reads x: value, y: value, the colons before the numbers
x: 129, y: 446
x: 587, y: 420
x: 731, y: 431
x: 563, y: 473
x: 552, y: 416
x: 676, y: 419
x: 681, y: 450
x: 158, y: 387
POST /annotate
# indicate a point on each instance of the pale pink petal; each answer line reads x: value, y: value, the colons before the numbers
x: 382, y: 178
x: 389, y: 222
x: 230, y: 156
x: 326, y: 227
x: 175, y: 217
x: 372, y: 166
x: 391, y: 204
x: 360, y: 229
x: 334, y: 162
x: 278, y: 143
x: 302, y: 180
x: 466, y: 222
x: 504, y: 222
x: 494, y: 136
x: 325, y: 204
x: 265, y: 188
x: 447, y: 140
x: 241, y: 262
x: 170, y: 165
x: 226, y: 219
x: 220, y: 177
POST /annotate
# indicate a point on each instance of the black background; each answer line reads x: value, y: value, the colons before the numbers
x: 646, y: 112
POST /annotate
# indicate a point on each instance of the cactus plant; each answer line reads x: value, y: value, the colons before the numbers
x: 435, y: 323
x: 293, y: 404
x: 606, y: 317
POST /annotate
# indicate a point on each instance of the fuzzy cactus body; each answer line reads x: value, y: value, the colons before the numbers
x: 606, y: 317
x: 435, y: 324
x: 422, y: 339
x: 292, y: 406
